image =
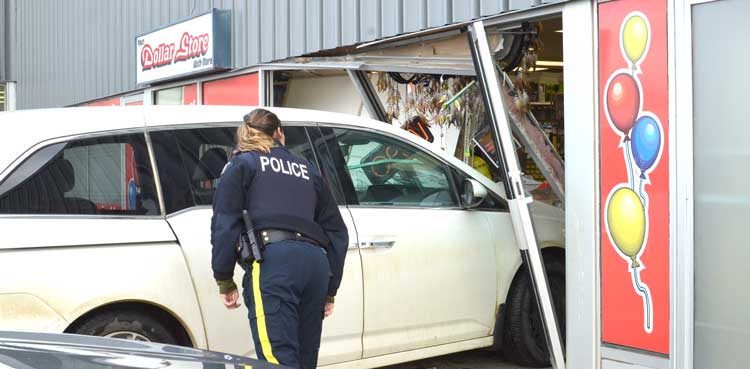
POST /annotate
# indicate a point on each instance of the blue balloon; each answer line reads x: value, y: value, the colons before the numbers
x: 645, y: 143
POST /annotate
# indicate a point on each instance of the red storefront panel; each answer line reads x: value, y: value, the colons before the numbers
x: 190, y: 95
x: 240, y: 90
x: 115, y: 101
x: 634, y: 162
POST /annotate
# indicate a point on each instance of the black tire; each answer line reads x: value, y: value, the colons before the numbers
x: 525, y: 341
x: 130, y: 323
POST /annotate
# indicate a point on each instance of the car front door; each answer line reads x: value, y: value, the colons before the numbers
x: 428, y: 265
x: 190, y: 162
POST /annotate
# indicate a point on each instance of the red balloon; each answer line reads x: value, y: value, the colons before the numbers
x: 623, y: 101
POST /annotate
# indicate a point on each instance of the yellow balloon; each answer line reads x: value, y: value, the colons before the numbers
x: 635, y: 37
x: 626, y: 219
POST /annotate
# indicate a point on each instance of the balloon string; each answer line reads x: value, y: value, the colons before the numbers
x: 646, y: 297
x: 630, y: 168
x: 640, y: 190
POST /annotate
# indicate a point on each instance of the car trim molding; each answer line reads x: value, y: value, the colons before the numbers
x: 156, y: 174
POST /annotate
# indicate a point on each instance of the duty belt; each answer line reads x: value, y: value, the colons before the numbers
x: 269, y: 236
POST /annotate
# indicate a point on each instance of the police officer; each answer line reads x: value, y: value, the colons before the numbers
x: 305, y: 241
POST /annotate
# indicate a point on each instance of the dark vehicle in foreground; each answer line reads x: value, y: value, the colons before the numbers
x: 22, y: 350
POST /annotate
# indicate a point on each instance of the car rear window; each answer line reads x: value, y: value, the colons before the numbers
x: 102, y: 175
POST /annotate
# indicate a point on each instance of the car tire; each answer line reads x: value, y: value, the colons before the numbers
x: 525, y: 342
x: 127, y: 325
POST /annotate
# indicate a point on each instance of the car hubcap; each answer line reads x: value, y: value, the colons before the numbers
x: 125, y: 335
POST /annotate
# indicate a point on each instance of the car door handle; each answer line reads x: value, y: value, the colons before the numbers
x: 377, y: 244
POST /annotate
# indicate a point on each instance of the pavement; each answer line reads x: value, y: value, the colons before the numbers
x: 477, y: 359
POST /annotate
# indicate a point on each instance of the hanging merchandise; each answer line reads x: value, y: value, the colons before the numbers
x: 418, y: 125
x: 447, y: 101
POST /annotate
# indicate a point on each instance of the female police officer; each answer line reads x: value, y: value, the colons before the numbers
x: 305, y: 242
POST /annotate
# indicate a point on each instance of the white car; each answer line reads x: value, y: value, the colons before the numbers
x: 105, y: 223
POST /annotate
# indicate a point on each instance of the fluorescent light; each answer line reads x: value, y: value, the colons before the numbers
x: 538, y: 69
x: 559, y: 31
x: 549, y: 63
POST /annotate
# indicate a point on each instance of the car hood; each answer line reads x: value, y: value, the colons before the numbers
x: 62, y: 351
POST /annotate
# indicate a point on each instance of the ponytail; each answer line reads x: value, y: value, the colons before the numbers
x: 256, y: 131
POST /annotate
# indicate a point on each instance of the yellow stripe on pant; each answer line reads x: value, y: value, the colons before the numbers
x: 260, y: 316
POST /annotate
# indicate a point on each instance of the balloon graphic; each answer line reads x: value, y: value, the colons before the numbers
x: 635, y: 38
x: 623, y: 99
x: 626, y: 220
x: 646, y: 143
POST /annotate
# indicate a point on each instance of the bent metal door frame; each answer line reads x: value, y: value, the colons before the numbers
x: 517, y: 199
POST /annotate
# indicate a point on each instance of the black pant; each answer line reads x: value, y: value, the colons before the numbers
x: 285, y: 297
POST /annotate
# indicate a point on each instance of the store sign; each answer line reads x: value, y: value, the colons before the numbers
x: 634, y: 160
x: 197, y: 45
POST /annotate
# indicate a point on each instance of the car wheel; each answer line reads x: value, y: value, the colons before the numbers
x: 127, y: 325
x: 525, y: 341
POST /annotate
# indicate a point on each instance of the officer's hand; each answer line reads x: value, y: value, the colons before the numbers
x: 328, y: 309
x: 231, y: 299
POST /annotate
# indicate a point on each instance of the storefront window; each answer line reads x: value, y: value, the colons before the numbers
x: 721, y: 186
x: 183, y: 95
x: 170, y: 96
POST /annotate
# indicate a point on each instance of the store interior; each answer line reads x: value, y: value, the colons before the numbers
x: 450, y: 106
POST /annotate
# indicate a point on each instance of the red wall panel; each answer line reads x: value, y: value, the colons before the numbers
x: 240, y: 90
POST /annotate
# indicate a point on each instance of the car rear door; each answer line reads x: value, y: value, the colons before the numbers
x: 428, y: 265
x: 190, y: 162
x: 82, y: 227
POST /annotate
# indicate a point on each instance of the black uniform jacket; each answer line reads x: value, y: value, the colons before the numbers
x: 280, y: 191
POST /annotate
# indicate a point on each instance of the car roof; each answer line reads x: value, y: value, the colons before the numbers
x: 24, y: 129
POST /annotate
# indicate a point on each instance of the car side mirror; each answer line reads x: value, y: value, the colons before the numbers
x: 474, y: 193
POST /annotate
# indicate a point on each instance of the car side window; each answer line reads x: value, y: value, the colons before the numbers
x: 190, y: 161
x: 298, y: 144
x: 332, y: 165
x: 388, y: 172
x: 102, y: 175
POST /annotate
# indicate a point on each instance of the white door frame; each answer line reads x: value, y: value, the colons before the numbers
x: 580, y: 73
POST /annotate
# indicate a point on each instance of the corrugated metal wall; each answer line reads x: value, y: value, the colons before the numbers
x: 3, y: 37
x: 77, y: 50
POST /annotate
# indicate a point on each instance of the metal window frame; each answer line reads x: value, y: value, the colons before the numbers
x: 10, y: 95
x: 369, y: 94
x: 265, y: 87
